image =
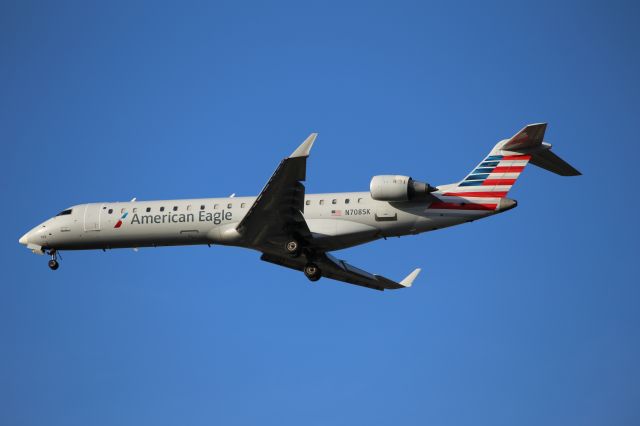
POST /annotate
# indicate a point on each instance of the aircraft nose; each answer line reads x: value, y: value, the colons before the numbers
x: 24, y: 240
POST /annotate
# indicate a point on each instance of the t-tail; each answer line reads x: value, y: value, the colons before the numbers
x: 499, y: 171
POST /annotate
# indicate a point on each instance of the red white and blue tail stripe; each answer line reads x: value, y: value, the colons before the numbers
x: 485, y: 186
x: 490, y: 181
x: 493, y: 177
x: 488, y: 184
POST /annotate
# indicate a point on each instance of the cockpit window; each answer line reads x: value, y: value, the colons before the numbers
x: 64, y: 212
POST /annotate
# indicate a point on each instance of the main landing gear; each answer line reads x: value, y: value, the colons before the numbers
x: 312, y: 272
x: 53, y: 263
x: 292, y: 247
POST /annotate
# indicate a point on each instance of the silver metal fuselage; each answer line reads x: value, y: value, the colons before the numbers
x: 336, y: 220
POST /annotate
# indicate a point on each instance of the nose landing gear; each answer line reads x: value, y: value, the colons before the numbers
x: 53, y: 263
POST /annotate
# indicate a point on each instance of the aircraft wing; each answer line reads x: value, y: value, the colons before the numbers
x: 277, y: 212
x: 341, y: 271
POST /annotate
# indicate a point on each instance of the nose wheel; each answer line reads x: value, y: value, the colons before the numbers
x: 53, y: 263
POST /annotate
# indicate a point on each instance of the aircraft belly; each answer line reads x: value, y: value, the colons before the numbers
x: 334, y: 234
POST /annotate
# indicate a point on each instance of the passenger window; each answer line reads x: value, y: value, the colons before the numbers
x: 334, y: 201
x: 346, y: 201
x: 308, y: 202
x: 161, y: 209
x: 242, y: 205
x: 322, y: 202
x: 202, y: 207
x: 110, y: 211
x: 135, y: 209
x: 148, y: 209
x: 121, y: 210
x: 175, y: 208
x: 216, y: 206
x: 188, y: 207
x: 229, y: 206
x: 359, y: 200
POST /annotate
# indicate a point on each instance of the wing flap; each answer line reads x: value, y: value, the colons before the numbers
x: 340, y: 270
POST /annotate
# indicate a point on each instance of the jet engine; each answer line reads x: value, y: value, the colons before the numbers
x: 398, y: 188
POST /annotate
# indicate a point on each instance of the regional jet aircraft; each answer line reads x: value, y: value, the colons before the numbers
x: 298, y: 230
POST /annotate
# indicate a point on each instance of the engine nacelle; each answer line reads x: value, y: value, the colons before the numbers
x: 398, y: 188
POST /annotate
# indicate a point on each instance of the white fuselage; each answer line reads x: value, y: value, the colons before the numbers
x: 336, y: 221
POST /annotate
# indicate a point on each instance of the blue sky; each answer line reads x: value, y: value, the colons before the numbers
x: 528, y: 318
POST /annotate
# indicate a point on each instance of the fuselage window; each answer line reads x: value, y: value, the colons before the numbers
x: 308, y: 202
x: 135, y: 209
x: 359, y: 200
x: 216, y: 206
x: 148, y: 209
x: 161, y: 209
x: 64, y: 212
x: 110, y: 211
x: 346, y: 201
x: 202, y: 207
x: 175, y: 208
x: 122, y: 210
x: 242, y: 205
x: 188, y: 207
x: 322, y: 202
x: 334, y: 201
x: 229, y: 205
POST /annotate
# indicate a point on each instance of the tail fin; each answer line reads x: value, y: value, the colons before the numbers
x: 498, y: 172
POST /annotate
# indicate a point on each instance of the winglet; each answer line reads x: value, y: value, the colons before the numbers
x: 305, y: 147
x: 409, y: 278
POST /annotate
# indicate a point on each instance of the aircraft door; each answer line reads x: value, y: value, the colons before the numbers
x: 92, y: 217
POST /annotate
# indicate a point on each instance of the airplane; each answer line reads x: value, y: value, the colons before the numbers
x: 298, y: 230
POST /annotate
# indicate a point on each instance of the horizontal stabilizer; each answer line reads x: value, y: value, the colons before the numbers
x: 550, y: 161
x: 529, y: 141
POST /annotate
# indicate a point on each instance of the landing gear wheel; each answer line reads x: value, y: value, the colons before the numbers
x: 312, y: 272
x: 53, y: 263
x: 292, y: 247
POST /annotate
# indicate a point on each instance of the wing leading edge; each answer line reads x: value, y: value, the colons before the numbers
x: 277, y: 212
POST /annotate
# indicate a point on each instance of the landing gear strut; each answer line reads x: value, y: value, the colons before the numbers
x: 53, y: 263
x: 312, y: 272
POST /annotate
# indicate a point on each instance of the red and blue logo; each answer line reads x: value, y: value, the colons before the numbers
x: 119, y: 224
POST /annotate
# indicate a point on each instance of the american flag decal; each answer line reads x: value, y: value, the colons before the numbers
x: 336, y: 212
